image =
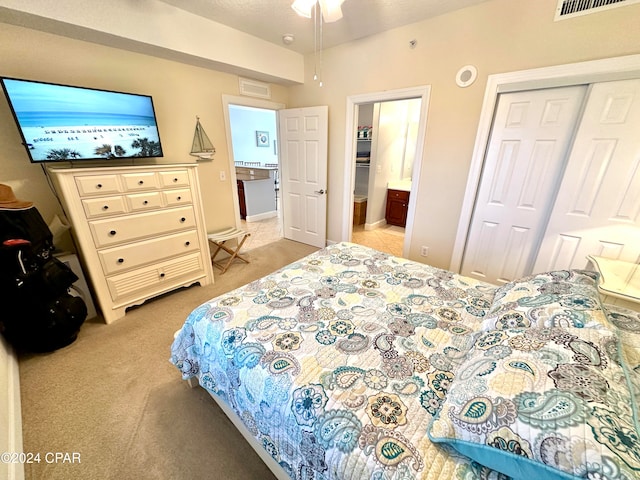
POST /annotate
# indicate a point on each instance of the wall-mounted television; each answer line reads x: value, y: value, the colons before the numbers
x: 64, y: 123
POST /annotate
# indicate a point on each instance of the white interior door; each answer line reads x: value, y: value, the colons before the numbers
x: 303, y: 178
x: 597, y: 210
x: 525, y: 157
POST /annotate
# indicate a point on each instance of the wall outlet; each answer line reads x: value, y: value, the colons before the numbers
x: 424, y: 251
x: 223, y: 175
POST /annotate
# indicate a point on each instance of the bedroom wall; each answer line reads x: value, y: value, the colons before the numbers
x: 496, y: 36
x: 180, y: 92
x: 157, y: 28
x: 10, y: 411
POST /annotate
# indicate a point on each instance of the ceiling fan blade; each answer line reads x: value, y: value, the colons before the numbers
x: 331, y: 10
x: 303, y: 7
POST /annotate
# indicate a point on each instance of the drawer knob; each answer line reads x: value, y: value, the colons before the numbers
x: 179, y: 198
x: 106, y: 207
x: 121, y: 260
x: 112, y: 232
x: 187, y: 243
x: 175, y: 179
x: 145, y: 202
x: 162, y: 275
x: 183, y: 219
x: 141, y: 182
x: 99, y: 185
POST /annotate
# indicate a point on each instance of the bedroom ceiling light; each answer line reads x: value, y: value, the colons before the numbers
x: 331, y: 12
x: 331, y: 9
x: 303, y: 7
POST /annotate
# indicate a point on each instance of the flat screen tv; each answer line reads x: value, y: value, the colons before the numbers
x: 63, y: 123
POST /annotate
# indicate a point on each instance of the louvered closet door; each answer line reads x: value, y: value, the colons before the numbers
x: 525, y: 157
x: 597, y: 211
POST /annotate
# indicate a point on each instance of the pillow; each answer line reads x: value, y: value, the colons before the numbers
x: 562, y: 298
x: 628, y: 323
x: 544, y: 403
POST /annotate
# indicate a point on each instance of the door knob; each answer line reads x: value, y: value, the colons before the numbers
x: 319, y: 192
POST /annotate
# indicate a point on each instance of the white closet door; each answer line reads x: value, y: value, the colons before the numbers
x: 597, y: 210
x: 525, y: 158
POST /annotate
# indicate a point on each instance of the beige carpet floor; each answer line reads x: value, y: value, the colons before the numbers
x: 114, y: 398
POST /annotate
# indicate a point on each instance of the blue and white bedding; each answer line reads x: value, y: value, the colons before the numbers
x: 354, y: 364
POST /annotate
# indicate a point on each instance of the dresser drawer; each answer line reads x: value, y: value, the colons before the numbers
x: 144, y: 201
x: 97, y: 185
x: 120, y: 259
x: 155, y: 278
x: 113, y: 231
x: 177, y: 197
x: 174, y: 178
x: 103, y: 206
x: 139, y: 181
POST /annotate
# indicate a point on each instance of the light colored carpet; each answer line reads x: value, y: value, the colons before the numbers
x: 114, y: 397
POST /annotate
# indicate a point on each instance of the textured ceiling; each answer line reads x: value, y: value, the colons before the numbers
x: 271, y: 19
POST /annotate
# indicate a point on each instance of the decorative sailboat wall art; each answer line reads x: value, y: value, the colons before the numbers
x: 202, y: 146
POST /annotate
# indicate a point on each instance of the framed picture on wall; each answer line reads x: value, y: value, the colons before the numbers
x: 262, y: 138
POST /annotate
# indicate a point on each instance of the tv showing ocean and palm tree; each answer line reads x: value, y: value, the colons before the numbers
x: 63, y: 123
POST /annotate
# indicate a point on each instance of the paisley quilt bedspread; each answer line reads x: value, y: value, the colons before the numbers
x: 354, y: 364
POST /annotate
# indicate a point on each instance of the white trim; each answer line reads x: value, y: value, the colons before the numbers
x: 609, y: 69
x: 423, y: 92
x: 246, y: 102
x: 374, y: 225
x: 10, y: 402
x: 261, y: 216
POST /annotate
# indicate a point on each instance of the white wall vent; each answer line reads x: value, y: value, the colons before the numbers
x: 253, y: 88
x: 575, y: 8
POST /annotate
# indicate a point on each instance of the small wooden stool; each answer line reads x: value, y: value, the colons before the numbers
x: 219, y: 239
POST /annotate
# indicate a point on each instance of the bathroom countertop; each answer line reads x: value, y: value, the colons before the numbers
x: 404, y: 185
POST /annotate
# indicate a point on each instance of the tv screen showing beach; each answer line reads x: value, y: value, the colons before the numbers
x: 61, y: 123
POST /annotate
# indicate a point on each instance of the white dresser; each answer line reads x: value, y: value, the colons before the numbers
x: 140, y: 230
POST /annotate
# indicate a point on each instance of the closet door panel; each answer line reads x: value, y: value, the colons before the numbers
x: 598, y: 204
x: 525, y: 157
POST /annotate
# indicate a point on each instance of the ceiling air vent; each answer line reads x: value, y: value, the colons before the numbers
x: 575, y: 8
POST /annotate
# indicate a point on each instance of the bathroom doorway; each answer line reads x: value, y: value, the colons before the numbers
x: 386, y: 144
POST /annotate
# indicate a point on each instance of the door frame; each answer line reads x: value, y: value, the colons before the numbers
x: 245, y: 102
x: 353, y: 102
x: 616, y: 68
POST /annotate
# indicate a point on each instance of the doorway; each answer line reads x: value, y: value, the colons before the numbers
x: 385, y: 153
x: 257, y: 202
x: 372, y: 127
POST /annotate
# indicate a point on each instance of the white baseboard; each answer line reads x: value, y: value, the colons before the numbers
x: 261, y: 216
x: 10, y: 411
x: 374, y: 225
